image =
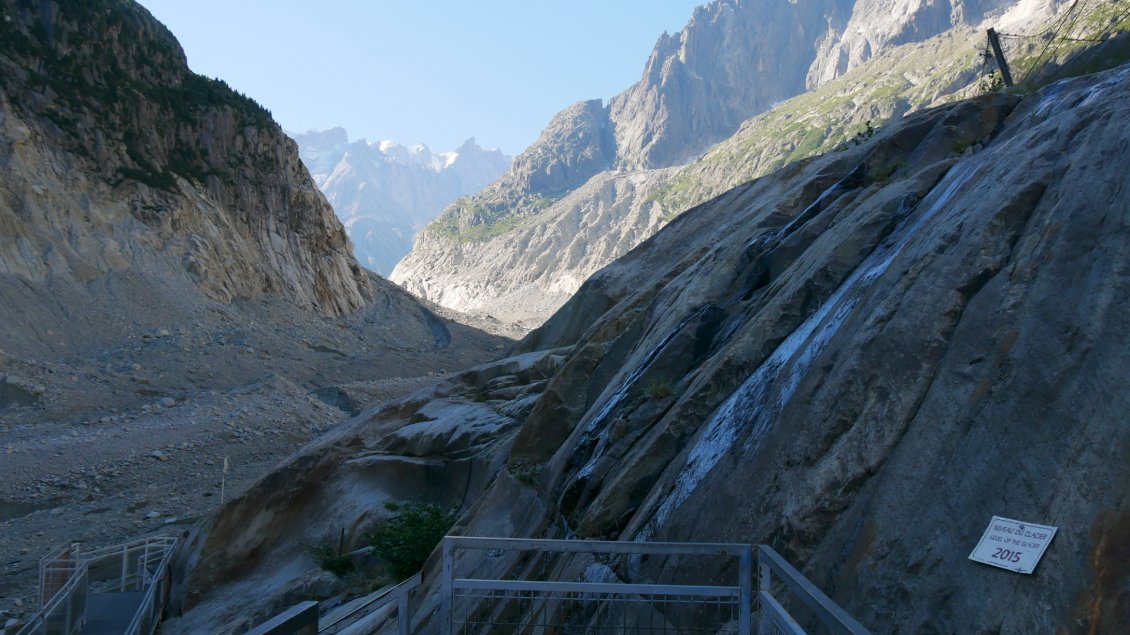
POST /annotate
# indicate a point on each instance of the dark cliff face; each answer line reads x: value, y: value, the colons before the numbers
x: 98, y: 99
x: 867, y: 356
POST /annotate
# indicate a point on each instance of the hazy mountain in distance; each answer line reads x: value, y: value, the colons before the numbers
x: 385, y: 192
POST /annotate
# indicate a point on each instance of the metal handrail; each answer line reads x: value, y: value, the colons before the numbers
x: 74, y: 591
x: 774, y: 617
x: 148, y: 602
x: 113, y: 550
x: 399, y: 593
x: 741, y: 592
x: 65, y: 592
x: 827, y: 611
x: 598, y: 546
x: 693, y: 590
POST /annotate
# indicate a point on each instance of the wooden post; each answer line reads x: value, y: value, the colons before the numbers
x: 995, y: 42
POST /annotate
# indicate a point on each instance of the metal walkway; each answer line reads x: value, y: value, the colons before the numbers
x: 111, y: 613
x: 555, y: 587
x: 539, y: 587
x: 118, y: 590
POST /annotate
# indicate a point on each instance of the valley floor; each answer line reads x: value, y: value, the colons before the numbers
x: 132, y: 440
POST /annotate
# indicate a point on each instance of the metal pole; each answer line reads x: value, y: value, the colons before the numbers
x: 404, y: 618
x: 125, y: 565
x: 745, y: 620
x: 995, y: 42
x: 445, y: 592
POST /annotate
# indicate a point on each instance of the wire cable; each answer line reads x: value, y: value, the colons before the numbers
x: 1052, y: 39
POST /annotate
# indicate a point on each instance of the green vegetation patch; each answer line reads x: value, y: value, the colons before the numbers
x: 332, y: 560
x: 407, y: 538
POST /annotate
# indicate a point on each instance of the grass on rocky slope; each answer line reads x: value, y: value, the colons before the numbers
x: 900, y: 80
x: 903, y: 79
x: 469, y: 221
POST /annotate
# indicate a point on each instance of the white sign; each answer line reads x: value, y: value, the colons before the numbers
x: 1013, y: 545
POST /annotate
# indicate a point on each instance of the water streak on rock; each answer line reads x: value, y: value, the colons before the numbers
x: 756, y: 403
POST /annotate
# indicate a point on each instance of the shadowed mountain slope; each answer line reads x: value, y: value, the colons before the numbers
x: 858, y: 359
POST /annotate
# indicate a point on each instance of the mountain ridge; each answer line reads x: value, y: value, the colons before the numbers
x: 649, y: 132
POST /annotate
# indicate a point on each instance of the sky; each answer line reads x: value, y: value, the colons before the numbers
x: 422, y: 71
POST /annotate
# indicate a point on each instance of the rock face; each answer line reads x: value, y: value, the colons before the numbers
x: 528, y: 272
x: 120, y: 162
x: 734, y: 60
x: 384, y: 192
x: 920, y: 331
x: 440, y: 445
x: 874, y: 25
x: 174, y: 290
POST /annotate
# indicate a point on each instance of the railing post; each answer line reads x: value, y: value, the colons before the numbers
x: 67, y: 618
x: 402, y: 613
x: 764, y: 585
x: 125, y: 565
x: 445, y: 592
x: 765, y: 579
x: 745, y: 583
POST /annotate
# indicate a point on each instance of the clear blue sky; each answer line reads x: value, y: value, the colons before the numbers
x: 422, y: 71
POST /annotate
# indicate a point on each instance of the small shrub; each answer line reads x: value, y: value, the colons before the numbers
x: 863, y: 135
x: 405, y: 539
x: 660, y: 390
x: 883, y: 174
x: 524, y: 472
x: 991, y: 83
x: 333, y: 560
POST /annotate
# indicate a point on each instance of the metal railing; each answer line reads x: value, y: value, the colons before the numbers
x: 62, y: 608
x: 537, y: 607
x: 300, y: 619
x: 130, y: 565
x: 153, y: 576
x: 398, y: 594
x: 67, y: 575
x: 775, y: 619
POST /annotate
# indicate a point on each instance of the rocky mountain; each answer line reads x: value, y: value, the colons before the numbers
x: 733, y: 61
x: 921, y: 330
x: 902, y: 79
x: 384, y: 192
x: 174, y: 289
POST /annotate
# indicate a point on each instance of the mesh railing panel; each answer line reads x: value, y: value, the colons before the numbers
x: 565, y: 613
